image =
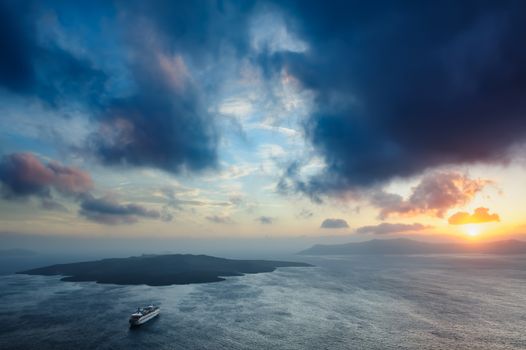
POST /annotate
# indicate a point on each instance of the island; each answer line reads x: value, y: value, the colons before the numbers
x: 160, y: 270
x: 404, y: 246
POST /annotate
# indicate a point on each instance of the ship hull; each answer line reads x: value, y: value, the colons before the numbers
x: 144, y: 319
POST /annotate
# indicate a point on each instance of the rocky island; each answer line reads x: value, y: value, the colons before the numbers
x: 159, y: 270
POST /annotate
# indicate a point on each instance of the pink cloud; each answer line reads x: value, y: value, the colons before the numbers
x: 23, y: 174
x: 434, y: 196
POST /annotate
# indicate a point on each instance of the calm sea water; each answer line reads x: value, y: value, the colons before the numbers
x: 362, y: 302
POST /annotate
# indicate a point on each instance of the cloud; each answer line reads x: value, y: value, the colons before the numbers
x: 397, y: 88
x: 23, y: 175
x: 34, y: 65
x: 235, y: 172
x: 334, y: 223
x: 15, y: 65
x: 178, y: 203
x: 305, y: 214
x: 401, y: 88
x: 110, y: 212
x: 434, y: 195
x: 220, y: 219
x: 158, y: 126
x: 49, y: 204
x: 236, y: 199
x: 265, y: 220
x: 165, y: 122
x: 291, y: 181
x: 70, y: 180
x: 136, y: 83
x: 480, y: 215
x: 387, y: 228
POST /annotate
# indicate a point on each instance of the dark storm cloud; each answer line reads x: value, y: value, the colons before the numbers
x: 165, y: 123
x: 403, y: 86
x: 334, y: 223
x: 157, y: 128
x: 34, y: 67
x: 109, y: 211
x: 203, y: 29
x: 151, y: 110
x: 24, y: 175
x: 16, y: 46
x: 387, y: 228
x: 399, y: 87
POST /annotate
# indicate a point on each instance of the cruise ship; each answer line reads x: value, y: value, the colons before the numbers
x: 144, y: 314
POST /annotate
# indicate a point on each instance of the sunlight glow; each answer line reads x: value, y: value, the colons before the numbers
x: 472, y: 230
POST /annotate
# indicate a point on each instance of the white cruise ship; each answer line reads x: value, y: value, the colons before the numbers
x: 144, y: 314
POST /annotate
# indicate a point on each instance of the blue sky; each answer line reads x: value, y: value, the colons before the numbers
x: 261, y: 118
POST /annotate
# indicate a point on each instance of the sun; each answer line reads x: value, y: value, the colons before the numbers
x: 472, y: 230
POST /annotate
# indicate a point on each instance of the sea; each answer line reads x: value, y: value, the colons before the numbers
x: 352, y: 302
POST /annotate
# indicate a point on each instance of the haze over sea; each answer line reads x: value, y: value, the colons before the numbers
x: 353, y: 302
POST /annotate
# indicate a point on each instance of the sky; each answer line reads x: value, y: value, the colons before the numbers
x: 263, y: 119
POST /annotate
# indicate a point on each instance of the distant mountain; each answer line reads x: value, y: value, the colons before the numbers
x: 16, y: 252
x: 404, y: 246
x: 160, y: 270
